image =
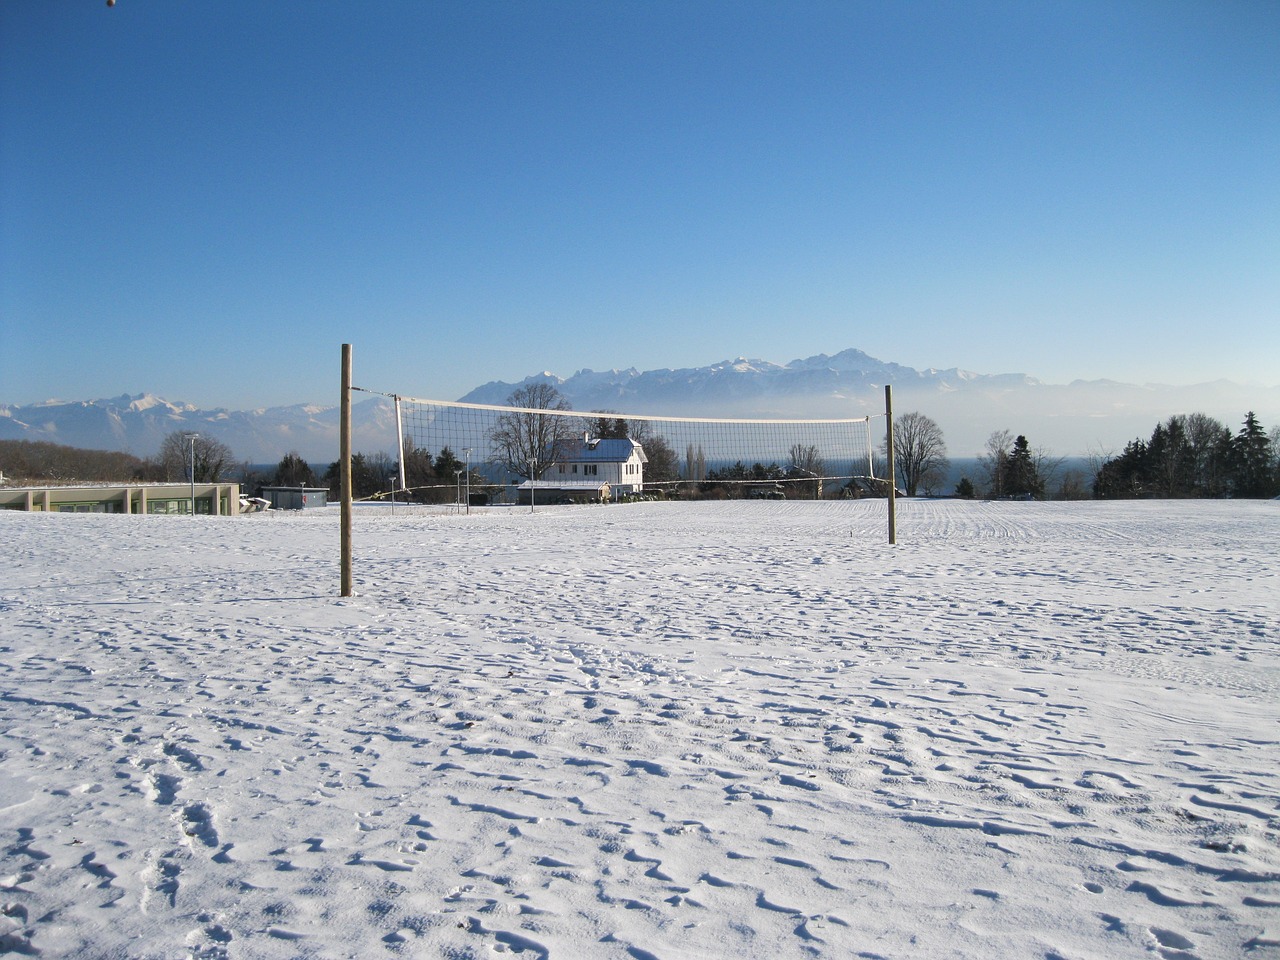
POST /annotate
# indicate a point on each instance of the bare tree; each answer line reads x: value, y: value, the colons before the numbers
x: 805, y: 462
x: 1210, y: 442
x: 212, y: 457
x: 1074, y: 486
x: 1096, y: 458
x: 383, y: 468
x: 919, y: 452
x: 526, y: 442
x: 1046, y: 466
x: 994, y: 462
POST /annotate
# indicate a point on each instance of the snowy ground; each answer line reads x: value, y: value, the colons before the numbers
x: 746, y: 730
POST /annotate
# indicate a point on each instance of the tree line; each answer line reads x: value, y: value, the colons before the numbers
x: 1195, y: 456
x: 42, y: 462
x: 1191, y: 455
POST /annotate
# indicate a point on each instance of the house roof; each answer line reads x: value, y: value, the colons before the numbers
x: 601, y: 451
x: 592, y: 486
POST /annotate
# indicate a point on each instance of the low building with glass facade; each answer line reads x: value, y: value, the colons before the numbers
x: 211, y: 499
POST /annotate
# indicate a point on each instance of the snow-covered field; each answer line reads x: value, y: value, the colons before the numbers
x: 746, y: 730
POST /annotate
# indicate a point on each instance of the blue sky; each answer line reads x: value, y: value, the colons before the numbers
x: 205, y: 199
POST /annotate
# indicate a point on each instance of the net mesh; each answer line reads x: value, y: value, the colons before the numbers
x: 508, y: 453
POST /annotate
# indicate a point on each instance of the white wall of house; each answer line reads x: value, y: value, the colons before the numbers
x: 619, y: 463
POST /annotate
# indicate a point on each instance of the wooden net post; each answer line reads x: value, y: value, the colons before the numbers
x: 893, y: 483
x: 344, y: 469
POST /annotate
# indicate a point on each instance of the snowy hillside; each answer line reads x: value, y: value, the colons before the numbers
x: 754, y: 731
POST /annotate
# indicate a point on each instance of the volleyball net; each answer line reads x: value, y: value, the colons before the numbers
x: 467, y: 452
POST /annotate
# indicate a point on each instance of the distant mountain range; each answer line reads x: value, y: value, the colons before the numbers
x: 846, y: 384
x: 138, y: 424
x: 1068, y: 419
x: 1073, y: 418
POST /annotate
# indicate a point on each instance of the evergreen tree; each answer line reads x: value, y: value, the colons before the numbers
x: 293, y: 471
x: 1253, y: 472
x: 605, y: 427
x: 1022, y: 479
x: 1171, y: 460
x: 447, y: 471
x: 1123, y: 477
x: 1187, y: 456
x: 447, y: 465
x: 367, y: 477
x: 419, y: 471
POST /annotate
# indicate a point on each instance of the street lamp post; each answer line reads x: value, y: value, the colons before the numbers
x: 467, y: 453
x: 192, y: 437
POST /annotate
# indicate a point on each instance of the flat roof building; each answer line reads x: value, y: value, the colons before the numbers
x: 296, y: 498
x: 212, y: 499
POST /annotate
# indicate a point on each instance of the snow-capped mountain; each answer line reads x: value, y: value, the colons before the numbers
x: 1073, y: 418
x: 847, y: 384
x: 138, y: 424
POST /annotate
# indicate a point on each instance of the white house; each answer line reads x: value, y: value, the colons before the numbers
x: 584, y: 468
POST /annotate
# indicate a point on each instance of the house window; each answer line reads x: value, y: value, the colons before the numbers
x: 168, y: 506
x: 104, y: 506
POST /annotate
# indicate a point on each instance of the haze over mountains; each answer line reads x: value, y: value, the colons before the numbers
x: 1068, y: 419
